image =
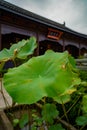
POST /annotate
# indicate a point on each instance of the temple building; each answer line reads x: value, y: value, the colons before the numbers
x: 17, y: 23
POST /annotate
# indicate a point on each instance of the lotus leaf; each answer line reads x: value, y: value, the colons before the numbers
x: 19, y: 50
x: 49, y: 112
x: 49, y: 75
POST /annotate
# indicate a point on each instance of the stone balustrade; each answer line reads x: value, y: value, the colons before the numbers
x: 82, y: 63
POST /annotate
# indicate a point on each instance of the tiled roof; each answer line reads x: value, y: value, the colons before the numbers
x: 37, y: 18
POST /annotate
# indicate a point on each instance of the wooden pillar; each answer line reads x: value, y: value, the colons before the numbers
x: 63, y: 42
x: 79, y: 48
x: 0, y: 36
x: 37, y: 36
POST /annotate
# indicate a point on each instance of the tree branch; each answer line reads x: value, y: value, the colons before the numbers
x: 69, y: 126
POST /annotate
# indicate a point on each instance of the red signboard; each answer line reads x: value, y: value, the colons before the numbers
x: 54, y: 34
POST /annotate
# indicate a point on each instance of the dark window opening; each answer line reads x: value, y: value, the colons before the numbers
x: 45, y: 45
x: 73, y: 50
x: 9, y: 39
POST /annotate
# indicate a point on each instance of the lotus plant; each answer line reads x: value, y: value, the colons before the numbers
x: 40, y: 78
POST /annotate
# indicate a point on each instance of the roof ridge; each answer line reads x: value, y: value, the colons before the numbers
x: 38, y: 18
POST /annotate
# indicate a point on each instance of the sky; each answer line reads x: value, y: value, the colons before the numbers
x: 72, y: 12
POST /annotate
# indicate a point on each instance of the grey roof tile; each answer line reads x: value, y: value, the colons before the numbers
x: 37, y: 18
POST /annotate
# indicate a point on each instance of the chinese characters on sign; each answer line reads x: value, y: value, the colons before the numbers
x: 54, y: 34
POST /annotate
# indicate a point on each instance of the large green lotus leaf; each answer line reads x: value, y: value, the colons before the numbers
x: 48, y: 75
x: 27, y: 49
x: 19, y: 50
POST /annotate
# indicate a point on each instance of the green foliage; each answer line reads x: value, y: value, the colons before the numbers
x: 56, y: 127
x: 65, y: 97
x: 1, y: 67
x: 49, y: 112
x: 15, y: 122
x: 81, y: 120
x: 37, y: 120
x: 20, y: 50
x: 34, y: 128
x: 84, y: 103
x: 83, y: 75
x: 72, y: 61
x: 50, y: 80
x: 24, y: 120
x: 48, y: 75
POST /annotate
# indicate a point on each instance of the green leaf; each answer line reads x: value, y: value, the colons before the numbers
x: 15, y: 122
x: 24, y: 120
x: 81, y: 120
x: 49, y: 75
x: 62, y: 99
x: 33, y: 128
x: 38, y: 120
x: 1, y: 65
x: 84, y: 103
x: 5, y: 55
x: 72, y: 61
x: 56, y: 127
x: 19, y: 50
x: 49, y: 112
x: 27, y: 49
